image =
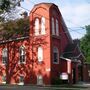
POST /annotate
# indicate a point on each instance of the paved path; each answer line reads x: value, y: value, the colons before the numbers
x: 14, y: 87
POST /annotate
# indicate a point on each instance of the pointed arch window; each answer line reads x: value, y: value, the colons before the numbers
x: 36, y: 26
x: 57, y: 28
x: 22, y: 54
x: 53, y: 26
x: 43, y: 26
x: 55, y: 55
x: 4, y: 56
x: 40, y: 54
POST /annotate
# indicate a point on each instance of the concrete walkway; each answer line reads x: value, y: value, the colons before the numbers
x: 83, y: 84
x: 79, y: 86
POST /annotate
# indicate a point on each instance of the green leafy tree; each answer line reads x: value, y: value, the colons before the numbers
x: 4, y: 5
x: 85, y: 44
x: 7, y: 6
x: 14, y: 28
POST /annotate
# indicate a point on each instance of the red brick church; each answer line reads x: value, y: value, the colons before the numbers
x: 46, y: 55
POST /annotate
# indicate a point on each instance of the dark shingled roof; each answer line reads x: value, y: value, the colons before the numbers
x: 68, y: 52
x: 70, y: 47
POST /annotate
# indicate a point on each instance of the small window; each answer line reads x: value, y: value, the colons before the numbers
x: 39, y: 80
x: 43, y: 26
x: 3, y: 79
x: 21, y: 80
x: 22, y: 54
x: 57, y: 28
x: 4, y: 56
x: 36, y: 26
x: 55, y: 55
x: 40, y: 54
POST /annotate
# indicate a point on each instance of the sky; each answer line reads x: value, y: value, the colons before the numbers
x: 76, y: 14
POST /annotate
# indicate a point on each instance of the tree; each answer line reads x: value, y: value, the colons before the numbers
x: 14, y: 28
x: 7, y: 6
x: 85, y: 44
x: 4, y: 5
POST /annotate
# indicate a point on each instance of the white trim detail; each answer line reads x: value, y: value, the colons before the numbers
x: 21, y: 83
x: 43, y: 26
x: 4, y: 56
x: 55, y: 55
x: 36, y: 26
x: 39, y: 80
x: 22, y: 53
x: 69, y: 67
x: 53, y: 26
x: 3, y: 82
x: 40, y: 54
x: 48, y: 69
x: 21, y: 80
x: 4, y: 79
x: 57, y: 28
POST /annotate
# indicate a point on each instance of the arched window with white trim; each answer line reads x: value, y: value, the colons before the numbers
x: 53, y: 26
x: 40, y: 54
x: 55, y: 55
x: 43, y: 26
x: 22, y: 54
x: 36, y: 26
x: 4, y: 55
x: 57, y: 28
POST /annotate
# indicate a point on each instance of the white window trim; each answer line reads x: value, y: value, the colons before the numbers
x: 58, y: 55
x: 21, y: 83
x: 53, y: 26
x: 36, y: 27
x: 43, y: 31
x: 3, y: 82
x: 40, y: 54
x: 6, y: 52
x: 21, y: 62
x: 38, y: 78
x: 57, y: 28
x: 20, y: 54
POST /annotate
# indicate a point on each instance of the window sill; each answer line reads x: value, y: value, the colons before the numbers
x: 40, y: 35
x: 56, y: 37
x: 40, y: 62
x: 55, y: 62
x: 22, y: 63
x: 3, y: 82
x: 4, y: 64
x: 21, y: 83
